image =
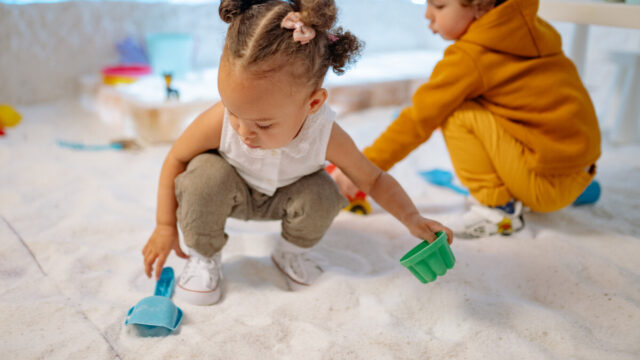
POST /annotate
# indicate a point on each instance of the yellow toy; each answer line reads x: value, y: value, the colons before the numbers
x: 8, y: 117
x: 358, y: 203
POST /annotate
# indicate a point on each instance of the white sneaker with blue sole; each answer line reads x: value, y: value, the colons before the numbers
x: 482, y: 221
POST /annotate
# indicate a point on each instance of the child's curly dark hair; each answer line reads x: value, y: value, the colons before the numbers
x: 255, y: 35
x: 482, y: 5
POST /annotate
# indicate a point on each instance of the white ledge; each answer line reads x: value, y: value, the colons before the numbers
x: 591, y: 12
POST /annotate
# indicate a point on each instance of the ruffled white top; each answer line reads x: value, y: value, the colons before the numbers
x: 266, y: 170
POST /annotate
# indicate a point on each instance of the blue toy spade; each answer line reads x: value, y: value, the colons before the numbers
x: 157, y: 315
x: 590, y: 195
x: 443, y: 178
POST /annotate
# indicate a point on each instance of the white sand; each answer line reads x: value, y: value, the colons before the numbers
x: 73, y: 224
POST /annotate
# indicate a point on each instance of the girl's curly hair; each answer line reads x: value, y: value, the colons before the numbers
x: 255, y: 37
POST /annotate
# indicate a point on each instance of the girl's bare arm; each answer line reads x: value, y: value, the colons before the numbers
x: 382, y: 187
x: 202, y: 134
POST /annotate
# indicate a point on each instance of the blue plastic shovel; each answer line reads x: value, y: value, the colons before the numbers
x: 157, y: 311
x: 443, y: 178
x: 590, y: 195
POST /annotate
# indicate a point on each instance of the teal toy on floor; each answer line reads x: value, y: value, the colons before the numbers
x: 120, y: 144
x: 157, y: 315
x: 590, y: 195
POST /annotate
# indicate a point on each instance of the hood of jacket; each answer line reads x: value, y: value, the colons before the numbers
x: 520, y: 31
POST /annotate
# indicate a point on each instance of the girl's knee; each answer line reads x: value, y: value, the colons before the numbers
x: 206, y: 173
x: 318, y: 194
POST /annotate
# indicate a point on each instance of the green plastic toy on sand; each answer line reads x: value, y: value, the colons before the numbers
x: 427, y: 261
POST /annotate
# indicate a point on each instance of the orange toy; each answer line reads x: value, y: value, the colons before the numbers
x: 357, y: 204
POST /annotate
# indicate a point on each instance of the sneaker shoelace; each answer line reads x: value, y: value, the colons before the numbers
x: 197, y: 266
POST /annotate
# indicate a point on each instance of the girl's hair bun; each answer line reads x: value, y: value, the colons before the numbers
x: 344, y: 49
x: 319, y: 14
x: 231, y: 9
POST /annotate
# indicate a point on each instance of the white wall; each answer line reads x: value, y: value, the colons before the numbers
x: 45, y: 48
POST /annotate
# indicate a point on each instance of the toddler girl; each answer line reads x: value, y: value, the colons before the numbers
x: 260, y: 153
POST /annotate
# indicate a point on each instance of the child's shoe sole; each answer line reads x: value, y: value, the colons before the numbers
x: 200, y: 298
x: 293, y: 284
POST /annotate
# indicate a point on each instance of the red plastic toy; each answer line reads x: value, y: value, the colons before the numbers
x: 357, y: 204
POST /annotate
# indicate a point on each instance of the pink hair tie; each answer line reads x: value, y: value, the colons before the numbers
x: 332, y: 38
x: 301, y: 32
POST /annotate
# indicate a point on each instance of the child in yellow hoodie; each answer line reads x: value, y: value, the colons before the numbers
x: 517, y: 120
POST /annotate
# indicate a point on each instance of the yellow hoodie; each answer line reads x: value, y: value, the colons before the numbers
x: 511, y: 62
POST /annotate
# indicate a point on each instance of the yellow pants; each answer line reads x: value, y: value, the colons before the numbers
x: 491, y: 164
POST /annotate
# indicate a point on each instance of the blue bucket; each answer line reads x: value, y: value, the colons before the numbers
x: 170, y: 53
x: 157, y: 311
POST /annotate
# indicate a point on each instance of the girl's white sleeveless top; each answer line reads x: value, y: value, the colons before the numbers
x: 266, y: 170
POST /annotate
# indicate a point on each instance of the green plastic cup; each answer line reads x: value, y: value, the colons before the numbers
x: 428, y: 261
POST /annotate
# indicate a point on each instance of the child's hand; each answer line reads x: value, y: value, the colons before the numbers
x: 345, y: 185
x: 162, y: 241
x: 424, y: 228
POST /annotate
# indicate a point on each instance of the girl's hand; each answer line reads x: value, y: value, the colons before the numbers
x: 164, y: 239
x: 345, y: 185
x: 426, y: 229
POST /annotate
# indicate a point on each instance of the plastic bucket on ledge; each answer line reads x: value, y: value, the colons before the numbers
x: 428, y: 261
x: 124, y: 73
x: 170, y: 53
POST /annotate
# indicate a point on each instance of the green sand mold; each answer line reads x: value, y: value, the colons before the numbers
x: 428, y: 261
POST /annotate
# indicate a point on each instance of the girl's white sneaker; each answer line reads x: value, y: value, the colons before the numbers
x: 199, y: 283
x: 300, y: 269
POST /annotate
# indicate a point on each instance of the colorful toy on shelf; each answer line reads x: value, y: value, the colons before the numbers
x: 357, y: 204
x: 124, y: 74
x: 8, y: 117
x: 171, y: 92
x: 170, y: 53
x: 131, y: 51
